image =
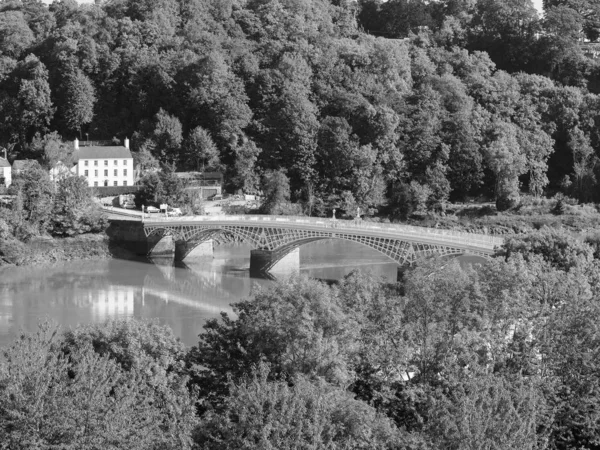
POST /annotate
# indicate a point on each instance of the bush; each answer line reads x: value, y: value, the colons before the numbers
x: 555, y: 246
x: 267, y: 414
x: 86, y: 399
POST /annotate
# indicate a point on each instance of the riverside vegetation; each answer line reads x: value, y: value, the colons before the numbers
x: 43, y: 208
x: 502, y: 355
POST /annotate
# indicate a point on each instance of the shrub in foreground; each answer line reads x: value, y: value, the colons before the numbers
x: 83, y: 399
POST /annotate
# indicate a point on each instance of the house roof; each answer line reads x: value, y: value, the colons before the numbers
x: 102, y: 153
x: 4, y: 163
x: 23, y: 164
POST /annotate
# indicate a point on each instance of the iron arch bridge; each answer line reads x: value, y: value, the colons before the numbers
x: 279, y: 235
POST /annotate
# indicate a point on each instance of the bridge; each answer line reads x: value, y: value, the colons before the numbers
x: 275, y: 238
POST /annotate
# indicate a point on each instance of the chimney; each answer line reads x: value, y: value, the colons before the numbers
x: 76, y: 144
x: 127, y: 143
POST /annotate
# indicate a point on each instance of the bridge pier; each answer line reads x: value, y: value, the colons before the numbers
x: 190, y: 249
x: 263, y: 261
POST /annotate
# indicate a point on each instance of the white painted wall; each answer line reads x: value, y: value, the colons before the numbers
x: 7, y: 175
x: 105, y: 172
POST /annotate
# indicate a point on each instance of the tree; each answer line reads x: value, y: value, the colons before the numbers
x: 297, y: 327
x: 150, y: 190
x: 163, y: 137
x: 200, y: 151
x: 506, y: 31
x: 84, y: 400
x: 558, y: 247
x: 37, y: 191
x: 584, y: 161
x: 507, y: 162
x: 52, y: 150
x: 276, y: 192
x: 75, y: 212
x: 15, y: 34
x: 587, y: 10
x: 26, y: 101
x: 80, y: 98
x: 489, y: 412
x: 260, y: 413
x: 160, y: 187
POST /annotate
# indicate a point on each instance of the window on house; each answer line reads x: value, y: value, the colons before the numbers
x: 106, y: 172
x: 116, y: 162
x: 124, y: 162
x: 85, y: 163
x: 125, y: 172
x: 95, y: 183
x: 95, y: 173
x: 105, y: 182
x: 116, y: 172
x: 85, y: 173
x: 106, y: 162
x: 96, y: 162
x: 125, y: 183
x: 114, y: 183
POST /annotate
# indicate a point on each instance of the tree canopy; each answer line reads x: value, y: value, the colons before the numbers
x: 398, y: 104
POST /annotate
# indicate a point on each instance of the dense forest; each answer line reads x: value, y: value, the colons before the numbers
x: 397, y: 105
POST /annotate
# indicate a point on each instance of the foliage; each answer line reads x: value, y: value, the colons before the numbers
x: 259, y: 413
x: 79, y: 101
x: 34, y: 191
x: 84, y: 400
x: 276, y: 192
x: 453, y: 98
x: 156, y: 188
x: 297, y: 327
x: 558, y: 247
x: 201, y: 153
x: 52, y: 150
x: 75, y: 212
x: 489, y: 412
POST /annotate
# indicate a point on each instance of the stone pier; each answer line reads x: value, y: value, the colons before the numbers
x: 263, y: 261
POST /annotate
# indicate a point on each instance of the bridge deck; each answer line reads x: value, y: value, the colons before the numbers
x: 479, y: 242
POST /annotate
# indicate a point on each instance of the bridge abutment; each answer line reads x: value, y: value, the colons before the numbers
x: 192, y: 250
x: 263, y: 261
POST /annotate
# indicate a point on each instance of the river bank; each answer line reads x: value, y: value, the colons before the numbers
x: 42, y: 251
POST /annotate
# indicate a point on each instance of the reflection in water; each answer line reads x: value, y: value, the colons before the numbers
x: 182, y: 296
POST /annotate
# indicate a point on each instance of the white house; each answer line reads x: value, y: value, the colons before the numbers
x: 5, y: 171
x: 104, y: 165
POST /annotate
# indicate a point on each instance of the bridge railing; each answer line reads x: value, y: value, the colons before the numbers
x: 430, y: 233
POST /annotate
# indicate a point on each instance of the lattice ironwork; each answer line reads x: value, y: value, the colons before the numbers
x: 284, y: 239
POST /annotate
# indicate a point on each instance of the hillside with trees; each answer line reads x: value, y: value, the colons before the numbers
x: 394, y: 107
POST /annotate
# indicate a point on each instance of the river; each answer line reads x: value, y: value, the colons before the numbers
x: 182, y: 297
